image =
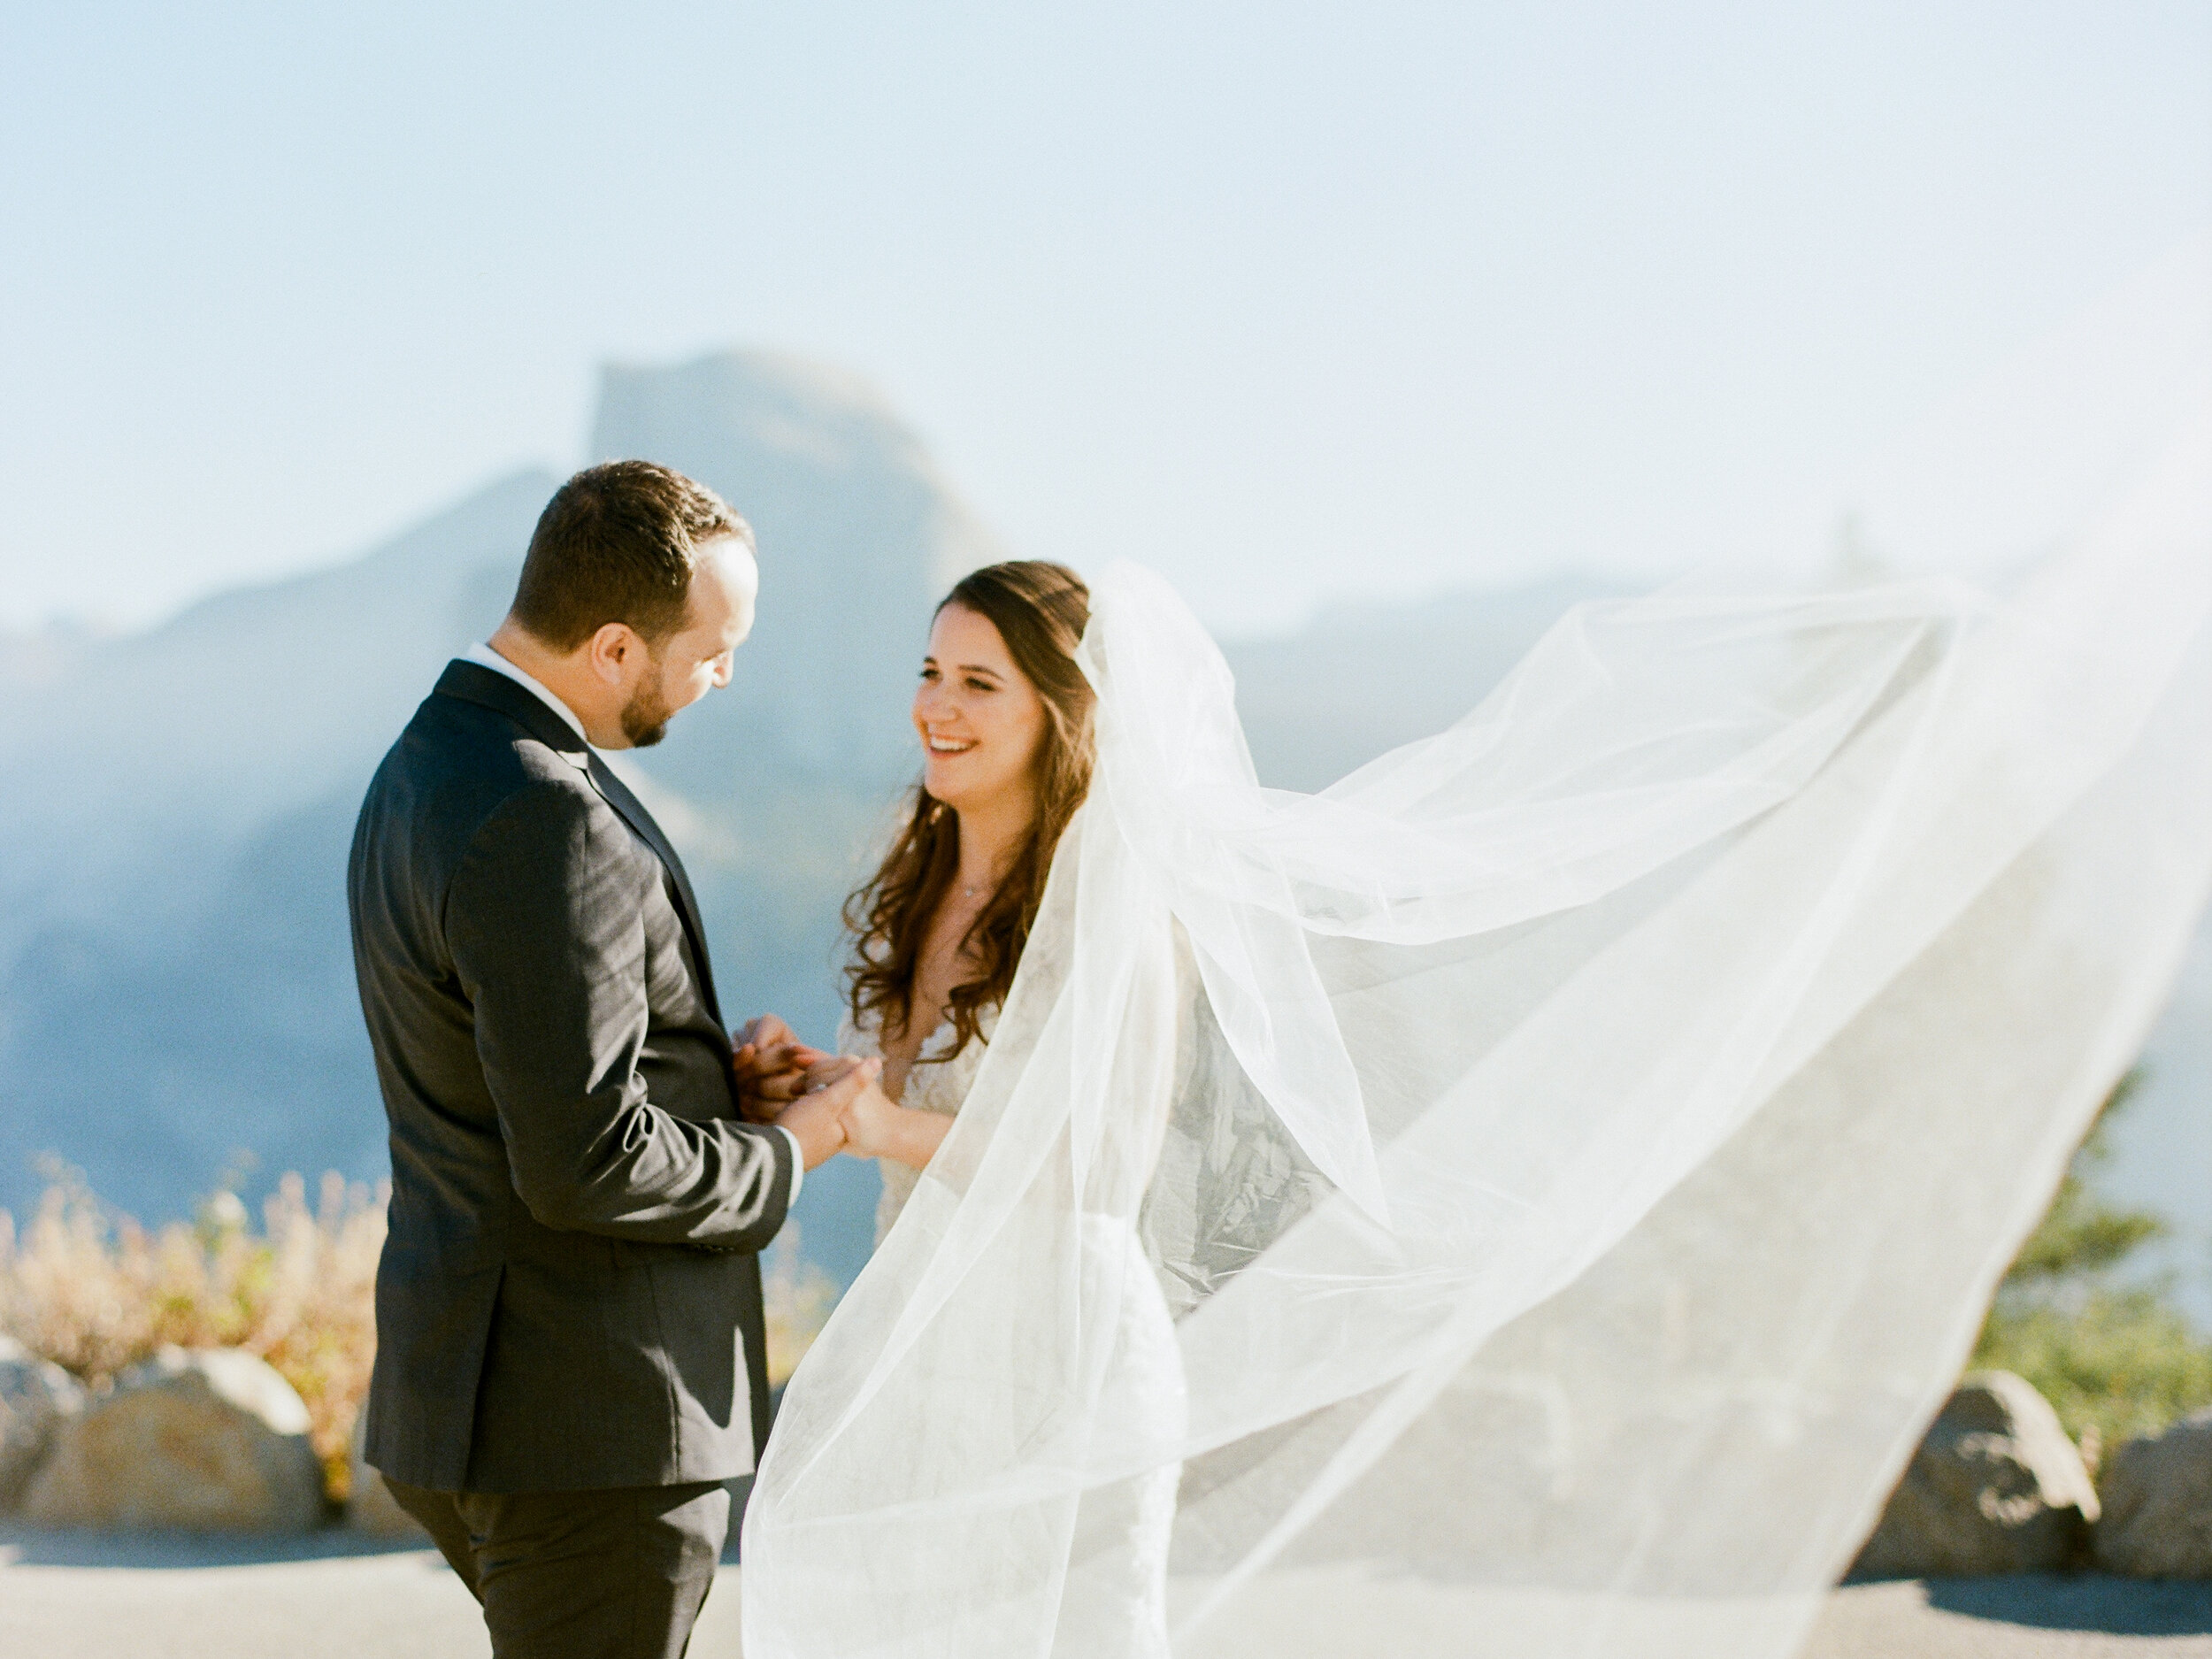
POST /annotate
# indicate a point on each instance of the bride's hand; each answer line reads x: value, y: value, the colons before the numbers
x: 877, y: 1126
x: 818, y: 1116
x: 871, y: 1124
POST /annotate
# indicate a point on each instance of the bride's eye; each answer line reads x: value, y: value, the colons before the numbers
x: 981, y: 685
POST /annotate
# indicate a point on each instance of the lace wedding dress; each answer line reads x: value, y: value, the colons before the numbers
x: 1528, y: 1198
x: 932, y: 1085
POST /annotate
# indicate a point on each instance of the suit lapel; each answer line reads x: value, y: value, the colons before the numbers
x: 617, y: 796
x: 473, y: 682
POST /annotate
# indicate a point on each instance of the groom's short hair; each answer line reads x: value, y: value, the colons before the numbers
x: 617, y: 543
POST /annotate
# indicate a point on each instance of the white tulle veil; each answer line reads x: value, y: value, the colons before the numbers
x: 1526, y: 1198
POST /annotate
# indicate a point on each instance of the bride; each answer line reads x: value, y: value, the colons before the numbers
x: 1004, y: 717
x: 1526, y: 1198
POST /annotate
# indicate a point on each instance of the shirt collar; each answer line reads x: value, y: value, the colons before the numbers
x: 484, y: 656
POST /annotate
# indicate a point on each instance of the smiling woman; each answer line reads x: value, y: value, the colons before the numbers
x: 1004, y: 719
x: 1004, y: 715
x: 978, y: 716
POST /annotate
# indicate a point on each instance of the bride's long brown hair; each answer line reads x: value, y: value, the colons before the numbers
x: 1039, y: 609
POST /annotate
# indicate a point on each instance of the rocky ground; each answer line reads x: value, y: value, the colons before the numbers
x: 105, y: 1597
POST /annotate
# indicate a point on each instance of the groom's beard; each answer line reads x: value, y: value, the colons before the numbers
x: 645, y: 719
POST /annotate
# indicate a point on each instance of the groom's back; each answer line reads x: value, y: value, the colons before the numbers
x: 455, y: 767
x: 562, y: 1125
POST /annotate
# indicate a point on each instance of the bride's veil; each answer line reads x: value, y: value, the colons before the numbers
x: 1527, y: 1198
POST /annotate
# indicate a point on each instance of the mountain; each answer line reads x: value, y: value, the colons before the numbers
x: 175, y: 982
x: 128, y: 768
x: 1361, y: 679
x: 176, y: 986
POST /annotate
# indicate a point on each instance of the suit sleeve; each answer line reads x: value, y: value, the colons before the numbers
x: 545, y: 922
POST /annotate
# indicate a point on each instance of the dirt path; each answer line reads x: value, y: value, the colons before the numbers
x: 65, y: 1596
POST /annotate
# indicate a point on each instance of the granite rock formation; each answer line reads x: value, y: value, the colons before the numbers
x: 2157, y: 1491
x: 36, y: 1399
x: 202, y: 1440
x: 1994, y: 1487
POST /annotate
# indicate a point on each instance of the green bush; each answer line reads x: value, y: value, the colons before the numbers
x: 2120, y: 1364
x: 2116, y: 1361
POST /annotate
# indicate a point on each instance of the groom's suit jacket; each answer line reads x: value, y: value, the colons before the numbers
x: 568, y: 1297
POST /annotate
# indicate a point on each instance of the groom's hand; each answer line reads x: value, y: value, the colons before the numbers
x: 827, y: 1071
x: 818, y: 1118
x: 770, y: 1067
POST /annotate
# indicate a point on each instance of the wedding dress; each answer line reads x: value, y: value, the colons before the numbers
x: 933, y: 1084
x: 1118, y: 1545
x: 1527, y: 1198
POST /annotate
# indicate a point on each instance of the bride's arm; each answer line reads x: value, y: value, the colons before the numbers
x: 877, y: 1126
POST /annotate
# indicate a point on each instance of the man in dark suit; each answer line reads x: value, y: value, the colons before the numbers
x: 572, y: 1357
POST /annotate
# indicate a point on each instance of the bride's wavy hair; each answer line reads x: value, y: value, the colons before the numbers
x: 1039, y: 609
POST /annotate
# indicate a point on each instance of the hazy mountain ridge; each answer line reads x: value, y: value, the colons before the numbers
x: 128, y: 771
x: 175, y: 976
x: 1361, y: 679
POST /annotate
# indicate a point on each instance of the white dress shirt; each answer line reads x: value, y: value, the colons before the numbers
x: 484, y: 656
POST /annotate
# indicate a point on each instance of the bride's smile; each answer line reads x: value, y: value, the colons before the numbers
x: 979, y: 719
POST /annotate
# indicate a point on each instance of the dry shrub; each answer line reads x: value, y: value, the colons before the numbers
x: 800, y: 1296
x: 96, y: 1293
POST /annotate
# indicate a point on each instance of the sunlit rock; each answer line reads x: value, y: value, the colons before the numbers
x: 36, y: 1398
x: 369, y: 1505
x: 2157, y: 1521
x: 204, y: 1439
x: 1995, y: 1488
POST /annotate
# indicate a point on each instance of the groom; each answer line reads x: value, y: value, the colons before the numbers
x: 572, y: 1357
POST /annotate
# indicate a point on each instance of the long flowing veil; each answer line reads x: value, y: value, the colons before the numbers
x: 1526, y: 1198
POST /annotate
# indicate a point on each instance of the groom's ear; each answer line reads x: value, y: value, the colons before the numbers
x: 613, y: 651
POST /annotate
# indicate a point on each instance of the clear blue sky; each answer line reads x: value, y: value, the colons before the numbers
x: 1288, y: 300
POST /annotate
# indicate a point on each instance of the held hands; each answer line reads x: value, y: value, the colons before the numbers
x: 832, y: 1102
x: 870, y: 1117
x: 817, y: 1115
x: 770, y: 1067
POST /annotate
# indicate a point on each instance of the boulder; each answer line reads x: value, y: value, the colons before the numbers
x: 208, y: 1439
x: 369, y: 1507
x: 1996, y: 1486
x: 36, y: 1398
x: 2157, y: 1521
